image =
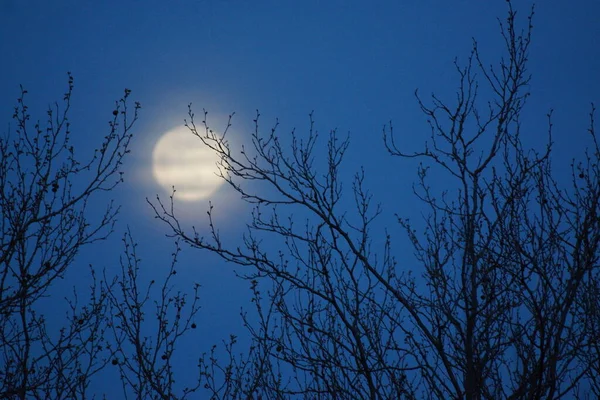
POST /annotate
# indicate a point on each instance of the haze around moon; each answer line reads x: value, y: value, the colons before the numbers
x: 181, y: 160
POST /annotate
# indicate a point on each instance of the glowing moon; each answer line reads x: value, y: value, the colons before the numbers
x: 180, y: 159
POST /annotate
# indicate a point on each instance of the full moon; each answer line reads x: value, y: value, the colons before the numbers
x: 180, y: 159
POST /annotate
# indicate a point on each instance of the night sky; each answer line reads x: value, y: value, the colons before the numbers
x: 356, y: 64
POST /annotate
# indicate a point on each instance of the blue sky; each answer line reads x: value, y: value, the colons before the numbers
x: 355, y: 63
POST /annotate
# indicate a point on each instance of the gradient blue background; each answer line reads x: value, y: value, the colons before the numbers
x: 355, y: 63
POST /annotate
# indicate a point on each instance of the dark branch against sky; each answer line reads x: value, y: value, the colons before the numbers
x: 356, y: 64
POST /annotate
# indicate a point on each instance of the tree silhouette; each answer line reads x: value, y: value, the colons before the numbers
x: 146, y: 327
x: 45, y: 193
x: 503, y: 302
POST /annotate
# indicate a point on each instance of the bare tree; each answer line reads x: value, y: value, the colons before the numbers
x: 45, y: 190
x: 145, y: 329
x: 504, y: 301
